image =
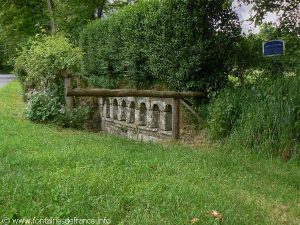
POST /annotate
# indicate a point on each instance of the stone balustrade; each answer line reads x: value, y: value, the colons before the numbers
x: 140, y: 118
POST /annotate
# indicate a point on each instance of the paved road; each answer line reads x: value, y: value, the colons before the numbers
x: 6, y: 78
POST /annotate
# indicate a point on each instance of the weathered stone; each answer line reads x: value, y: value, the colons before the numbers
x: 147, y: 119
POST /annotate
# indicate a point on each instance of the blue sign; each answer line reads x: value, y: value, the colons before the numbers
x: 273, y: 48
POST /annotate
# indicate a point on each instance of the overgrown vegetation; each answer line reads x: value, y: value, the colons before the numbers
x: 171, y: 42
x: 46, y: 61
x: 260, y: 109
x: 41, y: 68
x: 264, y: 116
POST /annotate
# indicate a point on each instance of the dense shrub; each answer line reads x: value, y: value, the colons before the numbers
x: 264, y: 115
x: 176, y: 42
x: 74, y: 118
x: 46, y: 61
x: 48, y: 107
x: 43, y: 107
x: 41, y: 68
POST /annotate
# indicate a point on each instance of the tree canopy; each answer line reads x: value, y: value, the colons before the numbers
x: 288, y: 12
x: 23, y: 19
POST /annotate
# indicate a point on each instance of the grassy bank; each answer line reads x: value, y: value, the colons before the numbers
x: 46, y: 171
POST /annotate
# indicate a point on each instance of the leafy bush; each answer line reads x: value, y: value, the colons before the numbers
x: 46, y: 61
x: 176, y: 42
x: 43, y: 107
x: 41, y: 68
x: 264, y: 115
x: 48, y: 107
x: 72, y: 118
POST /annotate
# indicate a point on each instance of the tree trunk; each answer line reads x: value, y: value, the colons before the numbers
x: 52, y: 22
x: 100, y: 8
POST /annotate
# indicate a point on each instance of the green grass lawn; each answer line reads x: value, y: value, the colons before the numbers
x: 46, y: 171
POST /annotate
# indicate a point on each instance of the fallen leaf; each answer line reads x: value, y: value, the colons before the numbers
x: 194, y: 220
x: 215, y: 214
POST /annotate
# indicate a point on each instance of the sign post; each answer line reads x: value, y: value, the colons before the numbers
x: 273, y: 48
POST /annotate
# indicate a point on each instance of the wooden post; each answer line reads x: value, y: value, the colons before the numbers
x: 175, y: 118
x: 69, y: 100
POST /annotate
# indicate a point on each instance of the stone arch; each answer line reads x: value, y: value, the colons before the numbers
x: 168, y: 117
x: 155, y: 116
x: 107, y: 108
x: 132, y: 112
x: 123, y: 111
x: 115, y: 109
x: 143, y: 114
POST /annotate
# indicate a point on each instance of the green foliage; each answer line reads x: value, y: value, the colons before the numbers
x: 46, y: 61
x: 289, y: 62
x: 71, y: 16
x: 49, y: 107
x: 264, y: 115
x: 43, y: 107
x: 6, y: 69
x: 41, y: 68
x: 224, y: 113
x: 78, y: 13
x: 179, y: 43
x: 72, y: 118
x: 103, y: 81
x: 250, y: 60
x: 20, y: 20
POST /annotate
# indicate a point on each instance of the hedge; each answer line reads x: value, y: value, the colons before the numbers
x: 182, y: 44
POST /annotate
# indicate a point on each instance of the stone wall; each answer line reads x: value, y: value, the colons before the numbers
x: 140, y: 118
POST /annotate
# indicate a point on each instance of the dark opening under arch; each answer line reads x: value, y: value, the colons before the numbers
x: 132, y: 112
x: 143, y: 114
x: 115, y: 109
x: 168, y: 118
x: 123, y: 110
x: 155, y: 116
x: 107, y: 106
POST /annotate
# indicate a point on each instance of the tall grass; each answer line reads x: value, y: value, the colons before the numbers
x: 264, y: 116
